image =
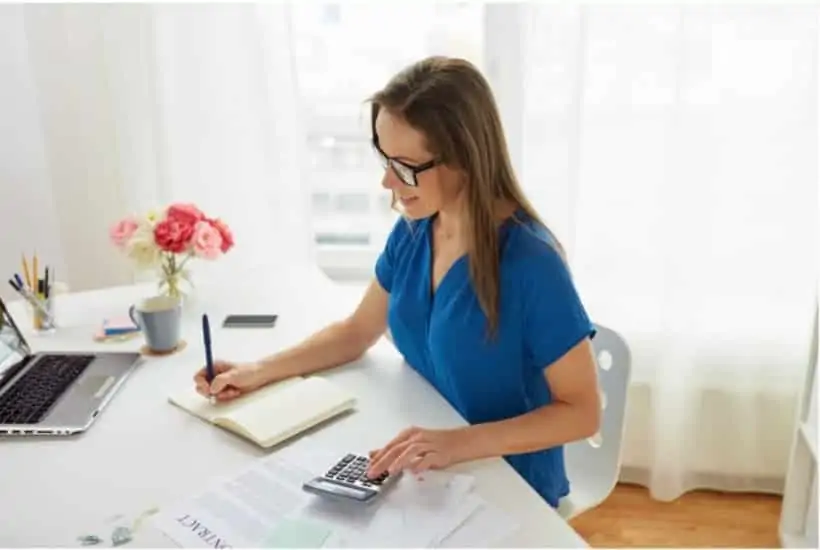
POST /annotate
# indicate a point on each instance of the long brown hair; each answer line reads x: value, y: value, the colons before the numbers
x: 450, y: 102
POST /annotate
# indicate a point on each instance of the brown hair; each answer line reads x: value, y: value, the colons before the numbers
x: 451, y: 104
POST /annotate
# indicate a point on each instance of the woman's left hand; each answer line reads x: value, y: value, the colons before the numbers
x: 419, y: 449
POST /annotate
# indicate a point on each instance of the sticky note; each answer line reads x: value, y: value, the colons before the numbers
x: 297, y: 533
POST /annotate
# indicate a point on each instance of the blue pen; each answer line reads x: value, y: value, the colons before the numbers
x: 209, y: 358
x: 19, y: 280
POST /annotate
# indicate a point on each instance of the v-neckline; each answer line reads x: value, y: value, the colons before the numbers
x: 433, y: 292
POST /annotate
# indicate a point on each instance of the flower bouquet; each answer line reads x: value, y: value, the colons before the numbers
x: 168, y: 239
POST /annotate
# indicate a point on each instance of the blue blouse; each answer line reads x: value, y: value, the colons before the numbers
x: 443, y: 335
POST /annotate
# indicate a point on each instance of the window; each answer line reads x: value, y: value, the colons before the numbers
x: 339, y: 65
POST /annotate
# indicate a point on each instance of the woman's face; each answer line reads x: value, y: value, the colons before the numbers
x: 407, y: 160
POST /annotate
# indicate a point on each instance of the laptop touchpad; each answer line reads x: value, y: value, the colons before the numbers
x: 98, y: 384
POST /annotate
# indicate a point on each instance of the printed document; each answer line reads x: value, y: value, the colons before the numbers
x: 265, y: 506
x: 238, y: 512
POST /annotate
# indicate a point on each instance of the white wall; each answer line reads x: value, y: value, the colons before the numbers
x: 58, y: 145
x: 28, y: 220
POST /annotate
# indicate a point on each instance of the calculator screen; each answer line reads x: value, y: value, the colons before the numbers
x: 339, y: 489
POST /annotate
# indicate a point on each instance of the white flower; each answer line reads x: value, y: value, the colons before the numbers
x: 141, y: 247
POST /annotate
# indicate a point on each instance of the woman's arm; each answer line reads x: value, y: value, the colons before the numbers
x: 575, y: 412
x: 336, y: 344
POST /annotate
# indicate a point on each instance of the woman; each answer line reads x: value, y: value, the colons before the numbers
x: 472, y: 286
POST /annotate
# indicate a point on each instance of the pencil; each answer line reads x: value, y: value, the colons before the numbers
x: 25, y: 272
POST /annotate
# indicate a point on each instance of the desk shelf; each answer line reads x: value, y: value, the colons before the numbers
x: 798, y: 518
x: 809, y: 435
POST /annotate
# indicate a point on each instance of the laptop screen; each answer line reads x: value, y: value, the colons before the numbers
x: 12, y: 347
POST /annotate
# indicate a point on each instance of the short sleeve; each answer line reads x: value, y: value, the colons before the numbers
x: 555, y: 319
x: 386, y: 262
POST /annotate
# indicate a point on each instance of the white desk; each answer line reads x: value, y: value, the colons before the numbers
x: 144, y: 452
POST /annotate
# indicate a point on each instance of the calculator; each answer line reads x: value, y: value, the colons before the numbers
x: 347, y: 480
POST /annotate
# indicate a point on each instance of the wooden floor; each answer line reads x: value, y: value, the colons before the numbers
x: 629, y: 517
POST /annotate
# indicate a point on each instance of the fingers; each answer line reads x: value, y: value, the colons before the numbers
x: 385, y: 459
x: 398, y: 454
x: 218, y: 386
x: 403, y: 435
x: 227, y: 394
x: 222, y: 381
x: 424, y: 463
x: 410, y: 455
x: 219, y: 367
x: 202, y: 387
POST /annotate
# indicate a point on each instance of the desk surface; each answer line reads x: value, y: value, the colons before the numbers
x: 142, y: 452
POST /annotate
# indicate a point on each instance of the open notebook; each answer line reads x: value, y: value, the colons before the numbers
x: 272, y: 413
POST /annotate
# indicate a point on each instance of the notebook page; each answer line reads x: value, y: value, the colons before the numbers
x: 292, y: 409
x: 200, y: 406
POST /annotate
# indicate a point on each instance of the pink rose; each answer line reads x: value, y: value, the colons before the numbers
x: 225, y: 233
x: 173, y: 235
x: 122, y: 231
x: 185, y: 213
x: 207, y: 241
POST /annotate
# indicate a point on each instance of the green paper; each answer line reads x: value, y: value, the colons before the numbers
x: 297, y: 533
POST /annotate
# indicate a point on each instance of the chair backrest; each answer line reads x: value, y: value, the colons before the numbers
x: 593, y: 465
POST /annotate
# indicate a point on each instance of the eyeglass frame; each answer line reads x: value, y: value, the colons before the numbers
x: 415, y: 170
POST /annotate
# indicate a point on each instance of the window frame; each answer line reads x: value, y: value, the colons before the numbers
x: 502, y: 25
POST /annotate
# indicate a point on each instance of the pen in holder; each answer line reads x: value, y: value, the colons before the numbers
x: 42, y: 309
x: 43, y: 315
x: 38, y: 294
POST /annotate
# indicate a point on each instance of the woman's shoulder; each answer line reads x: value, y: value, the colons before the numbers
x: 528, y: 240
x: 532, y: 256
x: 536, y: 274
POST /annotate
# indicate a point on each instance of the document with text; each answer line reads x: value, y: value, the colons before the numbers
x: 265, y: 506
x: 238, y: 512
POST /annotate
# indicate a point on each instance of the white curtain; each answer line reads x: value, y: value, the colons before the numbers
x: 675, y: 151
x: 134, y: 106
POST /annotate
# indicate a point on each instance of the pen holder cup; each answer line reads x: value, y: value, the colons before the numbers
x: 43, y: 319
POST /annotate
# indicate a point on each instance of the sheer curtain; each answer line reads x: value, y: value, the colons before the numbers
x: 143, y: 104
x: 675, y: 151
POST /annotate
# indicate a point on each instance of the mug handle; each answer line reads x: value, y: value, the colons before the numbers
x: 132, y: 312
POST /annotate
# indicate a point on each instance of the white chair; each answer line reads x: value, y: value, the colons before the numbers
x: 593, y: 464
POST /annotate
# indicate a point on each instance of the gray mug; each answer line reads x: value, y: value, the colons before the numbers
x: 159, y: 318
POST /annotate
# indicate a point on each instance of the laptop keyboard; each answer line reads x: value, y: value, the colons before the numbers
x: 30, y: 398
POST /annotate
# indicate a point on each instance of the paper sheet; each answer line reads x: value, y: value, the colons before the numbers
x: 414, y: 514
x: 297, y: 533
x: 265, y: 506
x: 242, y: 511
x: 488, y: 526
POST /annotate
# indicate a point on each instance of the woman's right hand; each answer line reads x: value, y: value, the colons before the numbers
x: 231, y: 380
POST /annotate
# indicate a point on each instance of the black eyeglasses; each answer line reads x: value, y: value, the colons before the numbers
x: 406, y: 172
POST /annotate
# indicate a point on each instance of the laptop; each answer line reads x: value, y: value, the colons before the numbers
x: 54, y: 393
